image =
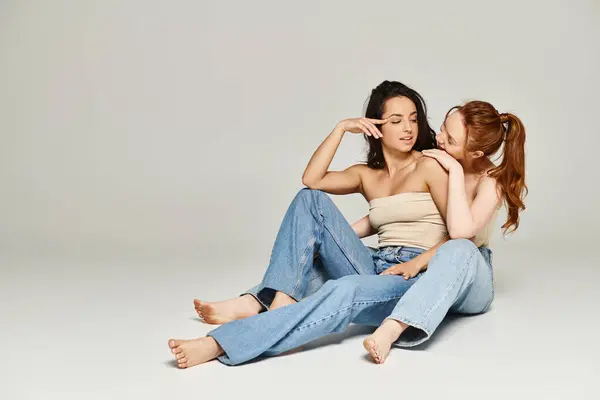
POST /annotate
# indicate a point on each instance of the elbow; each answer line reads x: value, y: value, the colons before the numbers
x: 460, y: 233
x: 309, y: 183
x: 306, y: 182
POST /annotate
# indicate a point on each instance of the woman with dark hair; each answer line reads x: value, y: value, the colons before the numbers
x: 407, y: 121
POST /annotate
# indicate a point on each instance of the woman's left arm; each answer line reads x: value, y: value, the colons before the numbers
x: 464, y: 220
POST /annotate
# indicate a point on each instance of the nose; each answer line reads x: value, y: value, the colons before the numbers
x: 406, y: 126
x: 438, y: 137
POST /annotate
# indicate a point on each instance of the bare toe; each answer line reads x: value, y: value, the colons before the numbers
x: 181, y: 355
x: 198, y: 306
x: 371, y: 346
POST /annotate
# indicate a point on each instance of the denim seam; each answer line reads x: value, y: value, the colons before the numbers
x: 304, y: 258
x: 335, y: 238
x: 257, y: 299
x: 355, y: 303
x: 301, y: 266
x: 493, y: 296
x: 442, y: 298
x: 489, y: 303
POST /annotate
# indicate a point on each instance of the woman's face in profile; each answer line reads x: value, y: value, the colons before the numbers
x: 401, y: 130
x: 452, y: 136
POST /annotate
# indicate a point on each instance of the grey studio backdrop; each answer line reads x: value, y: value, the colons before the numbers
x: 173, y: 135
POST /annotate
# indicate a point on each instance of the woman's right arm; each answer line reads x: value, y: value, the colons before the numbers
x: 316, y: 174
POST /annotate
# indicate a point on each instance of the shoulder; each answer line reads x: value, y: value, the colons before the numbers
x: 360, y: 169
x: 428, y: 163
x: 489, y: 186
x: 430, y: 167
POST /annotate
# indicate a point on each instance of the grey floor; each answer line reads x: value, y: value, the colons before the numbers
x: 75, y: 328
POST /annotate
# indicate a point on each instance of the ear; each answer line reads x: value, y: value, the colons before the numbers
x: 477, y: 154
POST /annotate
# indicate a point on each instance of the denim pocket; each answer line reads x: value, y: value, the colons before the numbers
x: 382, y: 266
x: 405, y: 255
x: 388, y: 256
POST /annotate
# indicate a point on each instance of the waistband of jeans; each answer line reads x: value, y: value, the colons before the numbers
x: 399, y: 248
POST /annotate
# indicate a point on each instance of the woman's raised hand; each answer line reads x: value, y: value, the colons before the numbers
x: 368, y: 126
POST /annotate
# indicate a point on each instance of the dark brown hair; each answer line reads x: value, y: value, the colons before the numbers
x: 382, y: 93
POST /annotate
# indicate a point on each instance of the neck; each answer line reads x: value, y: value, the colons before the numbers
x: 469, y: 166
x: 396, y: 161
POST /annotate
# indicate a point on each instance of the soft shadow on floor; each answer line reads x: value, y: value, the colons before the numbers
x: 438, y: 335
x: 443, y: 331
x: 172, y: 364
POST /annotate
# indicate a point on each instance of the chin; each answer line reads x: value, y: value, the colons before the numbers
x: 405, y: 148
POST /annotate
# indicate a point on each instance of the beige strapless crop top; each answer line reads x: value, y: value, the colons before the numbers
x: 407, y: 219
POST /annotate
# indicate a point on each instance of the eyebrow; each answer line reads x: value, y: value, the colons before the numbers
x: 401, y: 115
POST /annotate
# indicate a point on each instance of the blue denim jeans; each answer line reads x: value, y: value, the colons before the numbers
x: 313, y: 224
x: 458, y: 278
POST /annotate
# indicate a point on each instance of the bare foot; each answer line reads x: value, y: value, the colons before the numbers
x: 222, y: 312
x: 196, y: 351
x: 281, y: 300
x: 371, y: 346
x: 380, y: 342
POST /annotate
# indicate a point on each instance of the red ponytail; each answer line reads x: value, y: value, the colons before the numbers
x: 510, y: 174
x: 486, y: 132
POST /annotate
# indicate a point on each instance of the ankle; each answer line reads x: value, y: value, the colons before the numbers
x: 216, y: 347
x: 281, y: 297
x: 393, y: 327
x: 252, y: 303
